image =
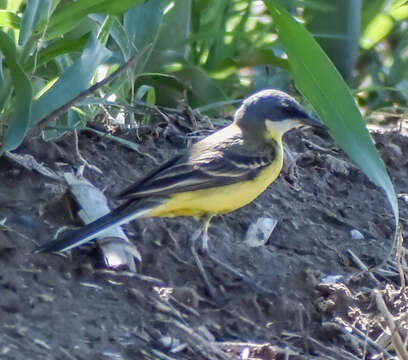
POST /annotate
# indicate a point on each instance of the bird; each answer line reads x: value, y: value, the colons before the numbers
x: 218, y: 174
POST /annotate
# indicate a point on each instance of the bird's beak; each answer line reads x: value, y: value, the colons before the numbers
x: 309, y: 121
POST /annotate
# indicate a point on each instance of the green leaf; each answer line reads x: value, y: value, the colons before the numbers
x: 59, y: 47
x: 69, y: 16
x: 371, y: 9
x: 176, y: 28
x: 73, y: 81
x: 142, y: 25
x: 149, y: 94
x: 381, y: 25
x: 14, y: 5
x: 35, y: 9
x: 337, y: 31
x: 19, y: 119
x: 9, y: 19
x: 320, y: 82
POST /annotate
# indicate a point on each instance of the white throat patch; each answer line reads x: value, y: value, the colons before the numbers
x: 280, y: 127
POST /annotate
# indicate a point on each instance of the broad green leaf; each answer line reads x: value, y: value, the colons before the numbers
x: 14, y: 5
x: 381, y: 26
x: 142, y: 25
x: 176, y: 28
x: 320, y: 82
x: 69, y: 16
x: 35, y: 9
x: 20, y: 117
x: 371, y: 8
x: 73, y: 81
x: 9, y: 19
x: 59, y: 47
x: 337, y: 31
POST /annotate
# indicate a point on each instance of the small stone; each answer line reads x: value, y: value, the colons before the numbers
x: 259, y: 232
x: 356, y: 235
x: 403, y: 197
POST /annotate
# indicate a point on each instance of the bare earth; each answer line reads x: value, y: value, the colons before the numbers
x: 70, y: 307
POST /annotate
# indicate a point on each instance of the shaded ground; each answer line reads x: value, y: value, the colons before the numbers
x: 69, y: 307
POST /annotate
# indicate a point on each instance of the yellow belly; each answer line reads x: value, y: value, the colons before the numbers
x: 221, y: 199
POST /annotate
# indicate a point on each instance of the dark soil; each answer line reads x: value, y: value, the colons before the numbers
x: 69, y: 307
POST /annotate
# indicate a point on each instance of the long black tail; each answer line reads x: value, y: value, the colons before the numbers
x: 121, y: 215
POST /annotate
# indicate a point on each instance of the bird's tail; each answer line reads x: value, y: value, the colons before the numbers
x: 121, y: 215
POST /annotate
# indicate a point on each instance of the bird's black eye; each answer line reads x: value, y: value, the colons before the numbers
x: 292, y: 112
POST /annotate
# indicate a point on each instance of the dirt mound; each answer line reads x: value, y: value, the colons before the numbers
x: 68, y: 306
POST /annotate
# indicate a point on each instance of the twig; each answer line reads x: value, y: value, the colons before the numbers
x: 398, y: 258
x: 362, y: 266
x: 396, y: 340
x: 81, y: 158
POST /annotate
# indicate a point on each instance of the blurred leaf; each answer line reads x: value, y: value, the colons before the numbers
x: 149, y: 94
x: 322, y: 85
x: 14, y: 5
x: 216, y: 21
x: 59, y: 47
x: 35, y: 9
x: 261, y: 56
x: 119, y: 35
x: 175, y: 29
x: 69, y: 16
x: 202, y: 88
x: 371, y: 8
x: 142, y: 25
x: 168, y: 87
x: 105, y: 29
x: 382, y: 25
x: 9, y: 19
x: 399, y: 68
x: 73, y: 81
x: 337, y: 31
x: 20, y: 117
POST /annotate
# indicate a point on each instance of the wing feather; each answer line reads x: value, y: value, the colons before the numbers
x: 205, y: 166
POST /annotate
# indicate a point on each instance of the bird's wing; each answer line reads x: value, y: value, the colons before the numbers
x: 202, y: 169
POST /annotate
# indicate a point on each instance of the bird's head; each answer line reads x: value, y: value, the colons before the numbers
x: 270, y: 113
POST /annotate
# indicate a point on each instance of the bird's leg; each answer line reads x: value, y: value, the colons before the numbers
x: 223, y: 264
x: 204, y: 238
x: 203, y: 230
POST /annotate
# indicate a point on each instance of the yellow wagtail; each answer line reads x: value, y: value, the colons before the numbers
x: 221, y: 173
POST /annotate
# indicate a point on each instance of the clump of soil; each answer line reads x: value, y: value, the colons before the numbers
x: 69, y: 307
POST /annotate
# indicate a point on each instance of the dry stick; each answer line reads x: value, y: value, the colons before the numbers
x: 396, y: 340
x: 362, y: 266
x: 364, y: 337
x: 62, y: 109
x: 398, y: 258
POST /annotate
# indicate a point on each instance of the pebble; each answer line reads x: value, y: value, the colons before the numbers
x: 259, y: 231
x: 356, y: 235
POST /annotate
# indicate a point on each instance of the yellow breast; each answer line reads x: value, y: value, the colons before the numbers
x: 222, y: 199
